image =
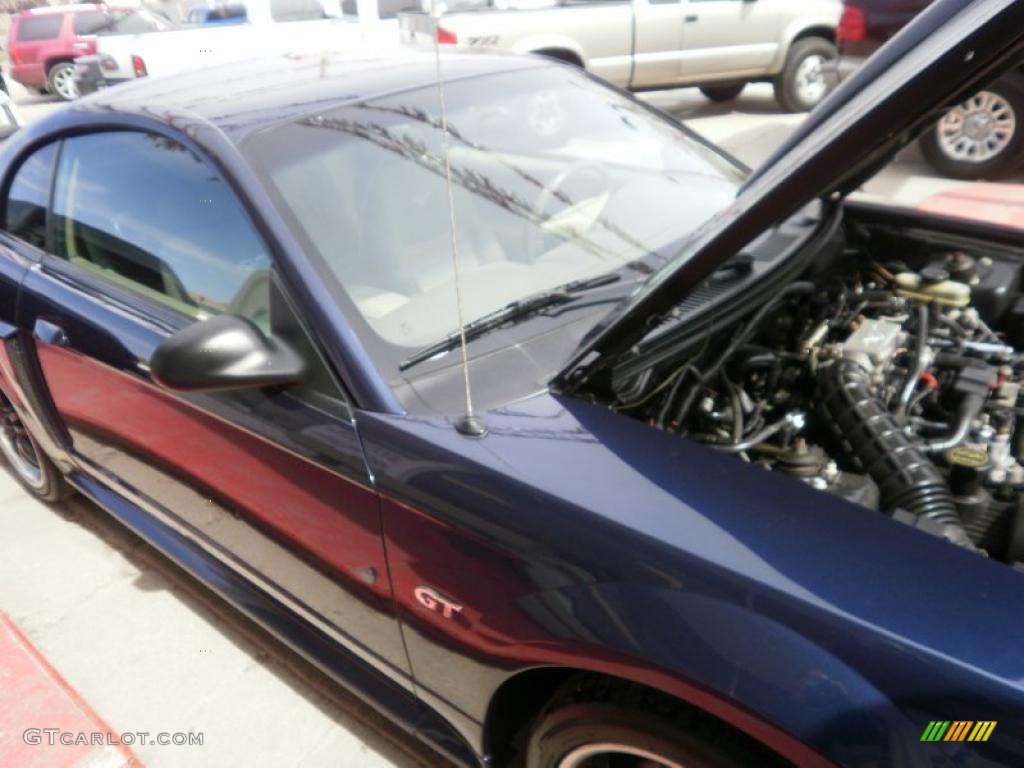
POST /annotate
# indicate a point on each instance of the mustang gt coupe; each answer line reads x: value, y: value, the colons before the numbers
x: 534, y: 419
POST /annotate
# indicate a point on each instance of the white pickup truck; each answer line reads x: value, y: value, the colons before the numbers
x: 719, y: 45
x: 268, y: 27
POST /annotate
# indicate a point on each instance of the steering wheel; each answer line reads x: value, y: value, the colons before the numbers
x: 536, y: 237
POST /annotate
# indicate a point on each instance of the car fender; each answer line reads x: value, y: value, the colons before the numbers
x: 799, y: 26
x: 714, y: 654
x: 547, y: 42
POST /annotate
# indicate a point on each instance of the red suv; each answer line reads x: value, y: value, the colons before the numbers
x: 43, y: 43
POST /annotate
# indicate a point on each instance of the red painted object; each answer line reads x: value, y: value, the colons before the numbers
x: 1001, y: 204
x: 35, y: 696
x: 853, y: 25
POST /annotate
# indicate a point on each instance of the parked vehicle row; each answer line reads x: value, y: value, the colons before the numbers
x: 740, y: 482
x: 44, y: 42
x: 236, y: 31
x: 645, y: 44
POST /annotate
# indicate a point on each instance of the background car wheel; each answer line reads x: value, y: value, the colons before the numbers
x: 805, y: 79
x: 982, y: 137
x: 723, y: 92
x: 31, y: 466
x: 62, y: 80
x: 599, y: 722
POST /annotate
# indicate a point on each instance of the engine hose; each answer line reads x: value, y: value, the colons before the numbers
x: 907, y: 479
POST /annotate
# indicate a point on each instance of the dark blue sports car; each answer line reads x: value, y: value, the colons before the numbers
x: 731, y: 475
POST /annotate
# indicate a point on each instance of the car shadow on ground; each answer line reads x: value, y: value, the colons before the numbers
x: 157, y: 573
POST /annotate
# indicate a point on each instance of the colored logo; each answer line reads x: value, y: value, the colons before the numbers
x: 958, y: 730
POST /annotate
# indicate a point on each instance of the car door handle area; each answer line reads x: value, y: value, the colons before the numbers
x: 50, y: 333
x: 690, y: 18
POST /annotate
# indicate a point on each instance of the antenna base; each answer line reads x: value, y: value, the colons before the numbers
x: 471, y: 426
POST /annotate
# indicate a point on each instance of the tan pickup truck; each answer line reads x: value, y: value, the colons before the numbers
x: 719, y: 45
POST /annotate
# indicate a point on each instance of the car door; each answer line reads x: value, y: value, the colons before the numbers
x: 658, y: 42
x: 729, y: 38
x: 143, y: 238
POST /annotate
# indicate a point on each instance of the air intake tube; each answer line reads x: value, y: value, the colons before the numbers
x: 907, y: 479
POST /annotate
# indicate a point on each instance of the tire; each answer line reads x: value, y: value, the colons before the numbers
x: 721, y: 93
x: 61, y: 77
x: 33, y: 468
x: 613, y: 718
x: 804, y: 81
x: 995, y: 146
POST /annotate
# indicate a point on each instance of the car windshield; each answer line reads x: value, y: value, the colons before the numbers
x: 556, y: 179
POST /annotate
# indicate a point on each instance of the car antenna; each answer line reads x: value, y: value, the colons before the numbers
x: 469, y: 424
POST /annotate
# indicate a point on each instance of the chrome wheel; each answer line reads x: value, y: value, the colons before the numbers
x: 63, y: 82
x: 977, y: 130
x: 20, y: 450
x: 810, y: 80
x: 610, y: 755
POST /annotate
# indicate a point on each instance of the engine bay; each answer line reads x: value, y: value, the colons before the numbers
x: 890, y: 376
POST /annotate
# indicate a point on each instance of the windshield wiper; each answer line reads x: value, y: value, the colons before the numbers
x: 511, y: 312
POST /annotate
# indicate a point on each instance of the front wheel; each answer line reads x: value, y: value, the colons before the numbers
x: 62, y: 80
x: 720, y: 93
x: 805, y: 80
x: 982, y: 137
x: 596, y: 722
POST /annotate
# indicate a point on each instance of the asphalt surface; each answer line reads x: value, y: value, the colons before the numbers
x: 151, y: 649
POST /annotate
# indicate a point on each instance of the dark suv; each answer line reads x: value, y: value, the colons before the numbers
x: 44, y: 42
x: 982, y: 138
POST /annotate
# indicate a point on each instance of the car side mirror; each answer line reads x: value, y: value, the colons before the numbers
x: 224, y: 352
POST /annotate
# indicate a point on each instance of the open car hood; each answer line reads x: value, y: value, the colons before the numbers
x: 947, y: 53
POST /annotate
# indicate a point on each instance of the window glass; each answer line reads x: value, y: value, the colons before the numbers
x: 134, y: 22
x: 555, y: 180
x: 25, y: 212
x: 39, y: 27
x: 90, y: 22
x: 147, y: 213
x: 296, y: 10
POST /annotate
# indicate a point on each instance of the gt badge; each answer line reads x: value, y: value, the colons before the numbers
x: 431, y: 600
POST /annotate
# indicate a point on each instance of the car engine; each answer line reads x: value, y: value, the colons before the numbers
x: 887, y: 384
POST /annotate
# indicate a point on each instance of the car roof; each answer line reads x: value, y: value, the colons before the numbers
x: 248, y: 96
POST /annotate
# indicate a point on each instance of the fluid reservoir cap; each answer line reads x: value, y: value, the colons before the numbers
x: 971, y: 456
x: 933, y: 273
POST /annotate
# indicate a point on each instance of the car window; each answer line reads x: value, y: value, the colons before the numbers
x: 25, y: 211
x: 134, y: 22
x: 296, y: 10
x: 90, y: 22
x: 148, y: 214
x: 228, y: 12
x: 39, y: 27
x: 555, y: 180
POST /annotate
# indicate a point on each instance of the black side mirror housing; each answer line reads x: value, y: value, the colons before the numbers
x: 222, y: 353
